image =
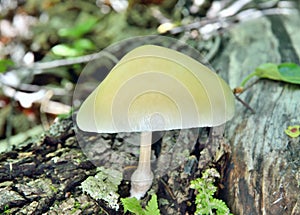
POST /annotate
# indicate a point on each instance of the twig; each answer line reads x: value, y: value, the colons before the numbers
x: 71, y: 61
x: 244, y: 103
x: 37, y: 68
x: 168, y: 189
x: 228, y: 17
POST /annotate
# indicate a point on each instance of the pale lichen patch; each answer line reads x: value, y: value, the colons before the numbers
x: 104, y: 186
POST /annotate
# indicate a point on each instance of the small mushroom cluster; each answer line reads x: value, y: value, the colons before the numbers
x: 154, y: 88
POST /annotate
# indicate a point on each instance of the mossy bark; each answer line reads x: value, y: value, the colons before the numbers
x: 263, y: 173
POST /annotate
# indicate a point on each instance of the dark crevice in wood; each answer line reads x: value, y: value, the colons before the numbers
x: 286, y: 49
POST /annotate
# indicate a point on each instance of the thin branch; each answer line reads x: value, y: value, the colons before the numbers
x: 245, y: 104
x: 37, y: 68
x: 75, y: 60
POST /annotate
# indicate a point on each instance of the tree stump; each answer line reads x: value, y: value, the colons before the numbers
x: 263, y: 176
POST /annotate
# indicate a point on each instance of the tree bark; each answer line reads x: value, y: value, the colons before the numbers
x: 263, y: 176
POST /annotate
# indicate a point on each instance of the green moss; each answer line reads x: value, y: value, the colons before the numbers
x: 53, y: 188
x: 6, y: 210
x: 77, y: 206
x: 205, y: 201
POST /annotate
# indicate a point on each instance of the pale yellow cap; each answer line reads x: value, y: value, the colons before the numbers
x: 155, y: 88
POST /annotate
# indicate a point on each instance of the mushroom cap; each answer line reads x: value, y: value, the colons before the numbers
x: 155, y: 88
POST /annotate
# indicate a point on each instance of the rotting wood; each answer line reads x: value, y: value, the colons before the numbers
x: 263, y: 174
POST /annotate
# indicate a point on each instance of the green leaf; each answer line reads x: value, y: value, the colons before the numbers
x: 268, y: 70
x: 79, y: 47
x: 65, y: 50
x: 152, y: 206
x: 83, y: 26
x: 84, y: 44
x: 4, y: 64
x: 287, y: 72
x: 290, y: 72
x: 132, y: 205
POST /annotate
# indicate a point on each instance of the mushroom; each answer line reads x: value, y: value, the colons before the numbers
x: 154, y: 88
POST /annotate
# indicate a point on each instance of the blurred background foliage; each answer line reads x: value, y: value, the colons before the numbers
x: 44, y: 45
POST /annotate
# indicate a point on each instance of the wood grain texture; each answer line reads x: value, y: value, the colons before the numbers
x: 263, y: 174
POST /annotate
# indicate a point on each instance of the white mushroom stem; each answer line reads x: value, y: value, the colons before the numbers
x: 141, y: 179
